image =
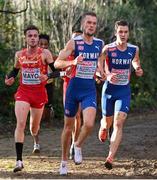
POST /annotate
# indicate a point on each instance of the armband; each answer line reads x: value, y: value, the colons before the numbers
x: 53, y: 74
x: 13, y: 73
x: 56, y: 74
x: 52, y: 66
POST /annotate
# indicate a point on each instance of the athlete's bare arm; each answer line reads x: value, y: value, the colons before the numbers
x: 110, y: 76
x: 10, y: 80
x: 104, y: 51
x: 16, y: 59
x: 101, y: 66
x: 136, y: 64
x: 61, y: 61
x: 47, y: 56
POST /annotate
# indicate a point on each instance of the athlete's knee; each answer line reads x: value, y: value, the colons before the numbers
x: 20, y: 126
x: 120, y: 119
x: 34, y: 133
x: 69, y: 125
x: 88, y: 125
x: 34, y: 130
x: 68, y: 130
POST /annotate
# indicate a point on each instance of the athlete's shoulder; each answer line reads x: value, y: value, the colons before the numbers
x: 110, y: 47
x: 20, y: 52
x: 45, y: 50
x: 133, y: 48
x: 132, y: 45
x: 78, y: 38
x: 98, y: 40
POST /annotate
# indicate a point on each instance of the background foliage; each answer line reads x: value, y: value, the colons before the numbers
x: 58, y: 18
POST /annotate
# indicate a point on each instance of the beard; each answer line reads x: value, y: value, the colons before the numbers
x: 89, y: 34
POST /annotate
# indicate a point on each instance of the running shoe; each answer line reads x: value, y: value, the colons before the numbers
x: 108, y: 165
x: 19, y: 166
x: 102, y: 135
x: 63, y: 170
x: 36, y: 149
x: 77, y: 155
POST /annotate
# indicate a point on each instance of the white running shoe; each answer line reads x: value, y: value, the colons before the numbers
x: 77, y: 155
x: 19, y: 166
x: 36, y: 149
x: 63, y: 170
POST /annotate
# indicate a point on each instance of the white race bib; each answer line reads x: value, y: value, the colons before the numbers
x: 122, y: 76
x: 30, y: 76
x: 86, y: 69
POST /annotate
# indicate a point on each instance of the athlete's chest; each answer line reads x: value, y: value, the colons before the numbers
x: 89, y: 52
x: 120, y: 59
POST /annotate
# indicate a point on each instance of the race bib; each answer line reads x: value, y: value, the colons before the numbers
x: 86, y: 69
x: 30, y: 76
x: 122, y: 76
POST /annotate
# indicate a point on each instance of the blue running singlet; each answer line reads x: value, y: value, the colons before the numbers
x: 81, y: 88
x: 116, y: 95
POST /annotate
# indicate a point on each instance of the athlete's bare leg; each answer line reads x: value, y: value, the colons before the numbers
x: 116, y: 137
x: 75, y: 132
x: 88, y: 124
x: 35, y: 118
x: 77, y: 127
x: 21, y: 111
x: 66, y: 136
x: 105, y: 124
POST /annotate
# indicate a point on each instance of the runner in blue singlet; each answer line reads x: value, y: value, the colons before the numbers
x: 116, y: 93
x: 87, y: 52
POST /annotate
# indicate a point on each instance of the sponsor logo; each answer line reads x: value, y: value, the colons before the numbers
x: 67, y: 111
x: 97, y: 47
x: 112, y: 49
x: 79, y: 42
x: 81, y: 48
x: 130, y: 53
x: 127, y: 108
x: 113, y: 54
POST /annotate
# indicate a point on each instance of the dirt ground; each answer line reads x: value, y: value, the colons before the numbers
x: 136, y: 158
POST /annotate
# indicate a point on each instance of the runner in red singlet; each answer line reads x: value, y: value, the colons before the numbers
x: 31, y: 94
x: 48, y: 110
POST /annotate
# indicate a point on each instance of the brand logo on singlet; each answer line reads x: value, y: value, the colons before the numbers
x: 97, y: 47
x: 79, y: 42
x: 81, y: 48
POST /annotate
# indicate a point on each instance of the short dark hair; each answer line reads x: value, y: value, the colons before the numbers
x: 44, y: 36
x: 121, y: 23
x: 88, y: 14
x: 30, y: 27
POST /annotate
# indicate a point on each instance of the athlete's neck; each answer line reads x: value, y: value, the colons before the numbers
x: 121, y: 46
x: 32, y: 50
x: 88, y: 39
